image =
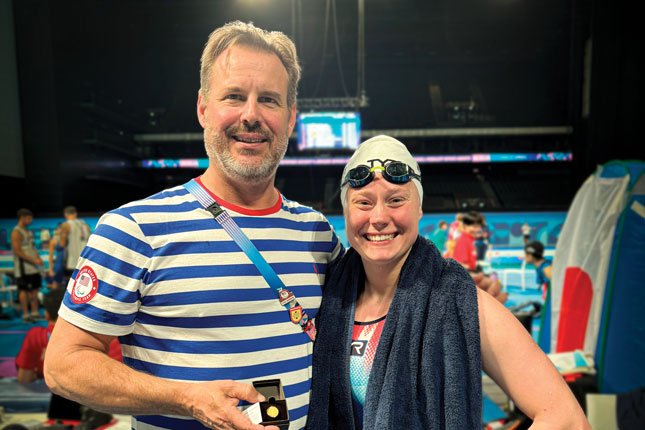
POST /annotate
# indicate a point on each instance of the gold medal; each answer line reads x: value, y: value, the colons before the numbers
x: 272, y: 411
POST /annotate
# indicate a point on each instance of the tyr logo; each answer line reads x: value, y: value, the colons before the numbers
x: 358, y: 347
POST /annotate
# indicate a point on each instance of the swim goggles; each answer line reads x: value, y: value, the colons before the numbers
x: 393, y: 171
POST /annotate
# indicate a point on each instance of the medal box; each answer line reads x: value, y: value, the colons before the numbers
x: 274, y: 408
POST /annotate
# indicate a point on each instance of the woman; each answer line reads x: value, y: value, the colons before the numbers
x: 414, y: 324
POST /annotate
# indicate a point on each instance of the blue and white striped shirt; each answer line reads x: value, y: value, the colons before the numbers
x: 188, y: 304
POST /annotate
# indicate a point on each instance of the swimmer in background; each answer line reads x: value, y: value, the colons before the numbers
x: 56, y: 260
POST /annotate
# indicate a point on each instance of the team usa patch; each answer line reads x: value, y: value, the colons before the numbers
x: 286, y: 296
x: 85, y: 286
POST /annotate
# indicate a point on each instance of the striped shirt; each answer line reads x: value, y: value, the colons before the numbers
x: 188, y: 304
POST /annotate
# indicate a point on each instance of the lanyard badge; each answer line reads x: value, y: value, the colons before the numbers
x: 297, y: 315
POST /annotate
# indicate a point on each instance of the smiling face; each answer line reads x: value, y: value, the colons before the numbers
x: 244, y: 114
x: 382, y: 221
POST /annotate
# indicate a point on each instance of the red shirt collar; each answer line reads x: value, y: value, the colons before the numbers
x: 253, y: 212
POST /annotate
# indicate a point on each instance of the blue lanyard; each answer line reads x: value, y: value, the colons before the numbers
x: 297, y: 315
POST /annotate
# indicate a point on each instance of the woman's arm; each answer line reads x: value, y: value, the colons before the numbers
x: 516, y: 363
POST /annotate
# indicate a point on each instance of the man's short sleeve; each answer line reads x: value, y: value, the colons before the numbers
x: 104, y: 294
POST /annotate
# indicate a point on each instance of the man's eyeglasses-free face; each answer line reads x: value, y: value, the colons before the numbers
x: 393, y: 171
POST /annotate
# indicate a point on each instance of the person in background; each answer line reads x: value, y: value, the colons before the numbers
x: 74, y: 234
x: 31, y: 357
x: 468, y: 254
x: 454, y: 230
x: 440, y: 235
x: 413, y: 324
x: 197, y: 320
x: 450, y: 249
x: 455, y: 227
x: 534, y: 254
x: 27, y: 266
x: 45, y: 237
x: 56, y: 271
x: 526, y: 232
x: 481, y: 239
x: 465, y: 252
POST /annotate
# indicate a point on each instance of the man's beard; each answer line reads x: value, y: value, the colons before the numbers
x: 217, y: 148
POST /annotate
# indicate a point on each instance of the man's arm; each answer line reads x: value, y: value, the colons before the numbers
x: 547, y: 272
x: 77, y: 367
x: 16, y: 239
x: 507, y: 352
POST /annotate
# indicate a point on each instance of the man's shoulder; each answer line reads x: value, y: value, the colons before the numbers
x: 163, y: 199
x: 295, y: 208
x: 178, y: 192
x: 160, y: 206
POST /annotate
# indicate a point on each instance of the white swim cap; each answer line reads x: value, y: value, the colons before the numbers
x: 381, y: 148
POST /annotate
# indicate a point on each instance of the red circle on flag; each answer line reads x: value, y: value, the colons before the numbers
x: 85, y: 286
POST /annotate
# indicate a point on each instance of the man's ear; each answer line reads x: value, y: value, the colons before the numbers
x: 292, y: 119
x: 201, y: 109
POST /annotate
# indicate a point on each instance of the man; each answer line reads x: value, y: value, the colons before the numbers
x: 26, y: 266
x: 534, y: 254
x: 197, y: 321
x: 74, y: 234
x: 439, y: 236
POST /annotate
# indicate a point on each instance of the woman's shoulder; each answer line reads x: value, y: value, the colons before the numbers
x: 455, y: 279
x: 338, y: 271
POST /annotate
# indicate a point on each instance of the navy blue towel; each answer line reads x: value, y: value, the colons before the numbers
x: 427, y: 369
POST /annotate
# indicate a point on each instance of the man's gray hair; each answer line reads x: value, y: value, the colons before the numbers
x: 240, y: 33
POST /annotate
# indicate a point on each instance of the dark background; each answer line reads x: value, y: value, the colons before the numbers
x: 95, y: 75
